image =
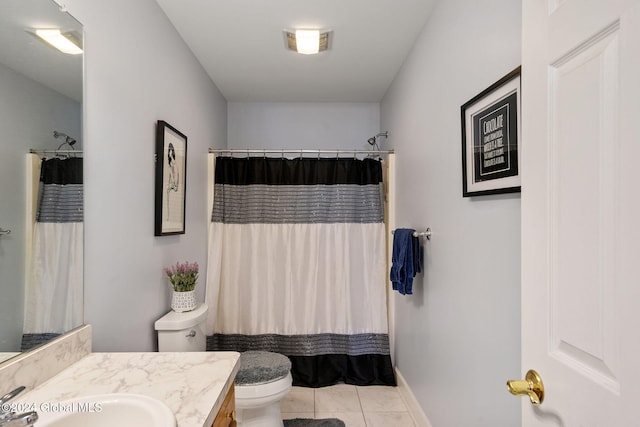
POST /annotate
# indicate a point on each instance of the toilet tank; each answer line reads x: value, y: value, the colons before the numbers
x: 182, y: 331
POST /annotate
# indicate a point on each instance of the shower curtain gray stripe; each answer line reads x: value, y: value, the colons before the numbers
x: 61, y: 203
x: 303, y: 345
x: 244, y: 204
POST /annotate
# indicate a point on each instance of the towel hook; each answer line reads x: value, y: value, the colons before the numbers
x: 4, y: 232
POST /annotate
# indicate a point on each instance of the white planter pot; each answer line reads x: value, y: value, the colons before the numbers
x: 183, y: 301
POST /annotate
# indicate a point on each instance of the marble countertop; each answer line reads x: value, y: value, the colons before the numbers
x: 193, y: 385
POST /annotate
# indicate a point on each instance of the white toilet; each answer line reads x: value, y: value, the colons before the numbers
x: 263, y: 379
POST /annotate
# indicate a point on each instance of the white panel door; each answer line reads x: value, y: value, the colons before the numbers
x: 581, y: 209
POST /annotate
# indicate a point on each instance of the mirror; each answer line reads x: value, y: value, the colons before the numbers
x: 40, y: 93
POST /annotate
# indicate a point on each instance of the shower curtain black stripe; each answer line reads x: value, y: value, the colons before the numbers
x: 297, y: 266
x: 301, y: 171
x: 61, y: 191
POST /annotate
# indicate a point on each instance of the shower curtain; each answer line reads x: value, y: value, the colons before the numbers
x: 297, y: 266
x: 53, y: 300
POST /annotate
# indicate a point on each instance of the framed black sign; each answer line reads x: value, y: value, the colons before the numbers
x: 491, y: 139
x: 171, y: 180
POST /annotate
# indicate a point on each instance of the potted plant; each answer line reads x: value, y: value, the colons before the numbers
x: 183, y: 278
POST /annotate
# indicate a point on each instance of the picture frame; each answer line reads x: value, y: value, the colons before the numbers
x: 491, y: 154
x: 171, y: 183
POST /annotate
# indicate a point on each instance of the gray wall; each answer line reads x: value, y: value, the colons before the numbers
x: 458, y: 336
x: 29, y: 113
x: 302, y: 125
x: 138, y: 71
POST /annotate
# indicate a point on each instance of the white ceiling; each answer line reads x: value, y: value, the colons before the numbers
x: 241, y: 46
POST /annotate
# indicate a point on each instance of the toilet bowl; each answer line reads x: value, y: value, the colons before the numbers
x: 263, y: 379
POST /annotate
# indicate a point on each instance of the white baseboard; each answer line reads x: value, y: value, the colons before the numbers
x: 415, y: 410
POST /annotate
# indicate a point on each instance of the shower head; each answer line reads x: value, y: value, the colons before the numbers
x: 67, y: 138
x: 374, y: 139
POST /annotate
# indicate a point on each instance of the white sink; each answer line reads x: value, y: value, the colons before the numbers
x: 106, y: 410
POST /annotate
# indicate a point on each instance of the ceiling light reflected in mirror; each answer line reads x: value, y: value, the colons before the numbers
x: 65, y: 42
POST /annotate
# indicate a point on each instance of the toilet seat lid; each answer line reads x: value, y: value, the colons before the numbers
x: 260, y: 367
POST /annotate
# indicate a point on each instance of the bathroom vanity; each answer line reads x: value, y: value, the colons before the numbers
x: 197, y: 386
x: 227, y: 414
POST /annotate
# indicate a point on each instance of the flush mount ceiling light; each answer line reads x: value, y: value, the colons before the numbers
x: 69, y: 42
x: 307, y: 41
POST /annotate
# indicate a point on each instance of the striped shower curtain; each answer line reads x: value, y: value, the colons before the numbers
x: 53, y: 300
x: 297, y: 266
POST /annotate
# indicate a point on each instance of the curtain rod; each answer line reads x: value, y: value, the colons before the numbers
x: 293, y: 151
x: 36, y: 151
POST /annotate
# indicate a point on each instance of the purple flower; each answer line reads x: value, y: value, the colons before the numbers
x: 183, y: 276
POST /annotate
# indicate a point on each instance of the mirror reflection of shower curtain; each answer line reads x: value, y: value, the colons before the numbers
x: 297, y: 265
x: 53, y: 300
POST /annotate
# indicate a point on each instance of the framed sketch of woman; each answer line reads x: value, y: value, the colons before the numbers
x: 171, y: 173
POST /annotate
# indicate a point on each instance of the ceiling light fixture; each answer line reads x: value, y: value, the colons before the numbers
x: 307, y: 41
x: 67, y: 43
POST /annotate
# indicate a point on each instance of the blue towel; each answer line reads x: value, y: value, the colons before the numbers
x: 405, y: 260
x: 417, y: 255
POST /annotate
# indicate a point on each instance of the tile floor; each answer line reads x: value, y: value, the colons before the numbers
x: 370, y: 406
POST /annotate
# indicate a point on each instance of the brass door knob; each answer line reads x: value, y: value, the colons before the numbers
x: 531, y: 386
